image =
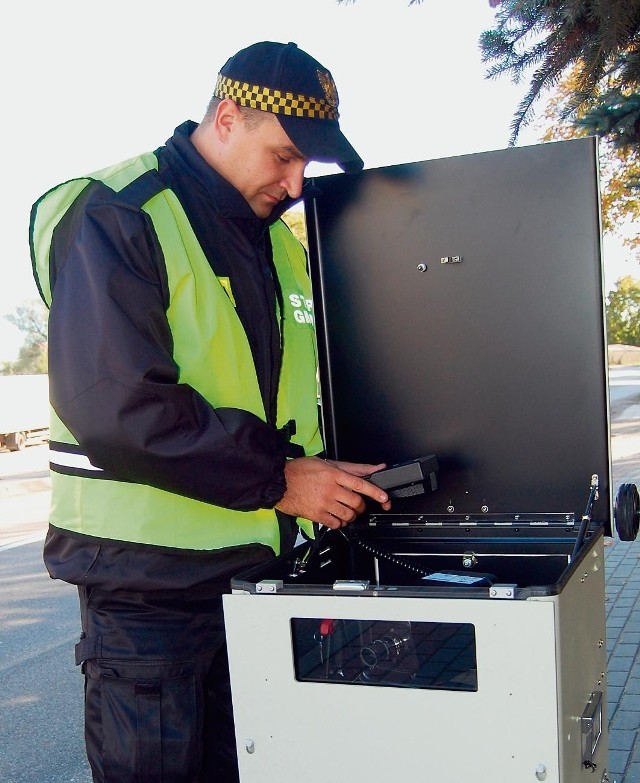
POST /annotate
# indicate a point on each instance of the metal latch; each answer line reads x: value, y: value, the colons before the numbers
x: 503, y: 591
x: 269, y: 586
x: 351, y: 584
x: 591, y: 725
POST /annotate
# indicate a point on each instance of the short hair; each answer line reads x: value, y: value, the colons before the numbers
x: 251, y: 117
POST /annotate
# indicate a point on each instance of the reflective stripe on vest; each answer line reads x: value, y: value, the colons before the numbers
x: 206, y: 333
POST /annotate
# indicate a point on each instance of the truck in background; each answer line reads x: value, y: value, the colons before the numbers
x: 24, y: 410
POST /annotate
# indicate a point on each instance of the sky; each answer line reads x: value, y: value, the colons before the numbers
x: 88, y: 84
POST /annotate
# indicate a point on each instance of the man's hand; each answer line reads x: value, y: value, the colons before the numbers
x: 329, y: 492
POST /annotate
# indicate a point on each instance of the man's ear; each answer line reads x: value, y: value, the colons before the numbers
x: 226, y: 117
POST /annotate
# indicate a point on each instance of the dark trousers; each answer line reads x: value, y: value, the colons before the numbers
x: 157, y: 694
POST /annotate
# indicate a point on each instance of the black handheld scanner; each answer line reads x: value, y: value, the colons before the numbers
x: 407, y: 478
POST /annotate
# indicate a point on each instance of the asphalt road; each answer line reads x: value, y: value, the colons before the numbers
x: 41, y: 689
x: 41, y: 733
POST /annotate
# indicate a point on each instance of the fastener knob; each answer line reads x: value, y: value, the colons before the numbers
x: 469, y: 560
x: 541, y: 772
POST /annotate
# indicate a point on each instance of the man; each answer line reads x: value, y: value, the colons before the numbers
x: 184, y: 427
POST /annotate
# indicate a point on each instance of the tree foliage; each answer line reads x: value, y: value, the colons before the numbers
x: 616, y: 116
x: 598, y: 39
x: 623, y: 312
x: 31, y: 319
x: 619, y: 166
x: 294, y: 218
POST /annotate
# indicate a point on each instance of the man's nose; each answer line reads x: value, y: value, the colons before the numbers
x: 293, y: 181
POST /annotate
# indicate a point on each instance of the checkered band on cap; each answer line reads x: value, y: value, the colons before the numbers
x: 276, y: 101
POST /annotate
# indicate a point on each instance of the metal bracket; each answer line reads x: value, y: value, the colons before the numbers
x: 269, y: 586
x: 503, y: 591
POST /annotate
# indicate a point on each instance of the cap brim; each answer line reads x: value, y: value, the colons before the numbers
x: 322, y: 140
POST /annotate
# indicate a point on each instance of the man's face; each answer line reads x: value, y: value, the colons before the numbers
x: 267, y: 167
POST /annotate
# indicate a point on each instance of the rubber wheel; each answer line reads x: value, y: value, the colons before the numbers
x: 626, y: 512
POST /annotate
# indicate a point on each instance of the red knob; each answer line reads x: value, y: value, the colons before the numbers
x: 327, y: 627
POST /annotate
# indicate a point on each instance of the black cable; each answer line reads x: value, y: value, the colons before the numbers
x: 389, y: 556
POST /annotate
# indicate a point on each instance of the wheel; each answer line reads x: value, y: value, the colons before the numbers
x: 16, y: 441
x: 626, y: 512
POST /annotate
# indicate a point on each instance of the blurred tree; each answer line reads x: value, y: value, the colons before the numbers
x: 294, y: 218
x: 619, y: 166
x: 599, y: 39
x: 31, y: 319
x: 623, y: 311
x: 615, y: 116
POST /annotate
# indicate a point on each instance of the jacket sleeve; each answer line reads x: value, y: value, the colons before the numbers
x: 114, y: 382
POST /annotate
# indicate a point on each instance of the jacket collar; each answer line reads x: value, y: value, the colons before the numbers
x: 228, y: 201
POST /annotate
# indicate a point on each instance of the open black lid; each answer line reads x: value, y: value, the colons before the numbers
x: 460, y: 312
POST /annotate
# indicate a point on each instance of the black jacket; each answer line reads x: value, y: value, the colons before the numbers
x: 109, y: 341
